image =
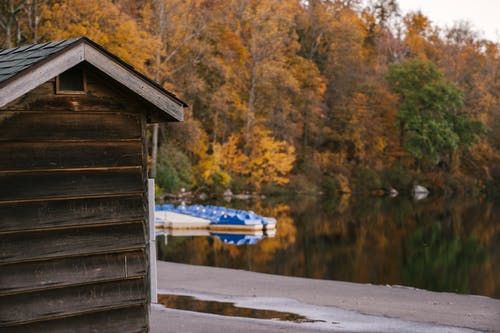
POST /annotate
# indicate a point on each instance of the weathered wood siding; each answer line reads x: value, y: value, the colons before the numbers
x: 73, y: 211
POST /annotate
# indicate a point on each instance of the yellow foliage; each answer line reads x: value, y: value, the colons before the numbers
x: 327, y: 161
x: 211, y: 171
x: 270, y: 160
x: 233, y: 158
x: 380, y: 144
x: 104, y: 23
x: 418, y: 27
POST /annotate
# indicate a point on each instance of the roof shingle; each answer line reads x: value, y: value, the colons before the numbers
x: 15, y: 60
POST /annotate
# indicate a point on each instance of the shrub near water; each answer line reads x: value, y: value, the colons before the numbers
x: 335, y: 184
x: 367, y: 180
x: 398, y: 178
x: 174, y: 169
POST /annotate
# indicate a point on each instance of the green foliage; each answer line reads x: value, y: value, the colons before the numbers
x: 336, y: 184
x: 399, y: 178
x: 158, y: 193
x: 216, y: 181
x: 174, y: 169
x: 366, y: 179
x: 433, y: 126
x: 438, y: 250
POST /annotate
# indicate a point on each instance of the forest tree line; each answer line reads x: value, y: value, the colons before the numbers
x: 311, y: 96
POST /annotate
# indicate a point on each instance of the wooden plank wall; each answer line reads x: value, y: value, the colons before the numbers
x: 73, y: 212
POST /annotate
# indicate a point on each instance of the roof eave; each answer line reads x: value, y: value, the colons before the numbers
x: 44, y: 70
x: 85, y: 50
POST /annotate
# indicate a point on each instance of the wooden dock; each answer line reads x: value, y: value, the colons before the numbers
x: 181, y: 221
x: 178, y: 222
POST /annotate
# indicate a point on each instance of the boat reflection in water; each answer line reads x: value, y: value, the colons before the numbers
x: 238, y: 239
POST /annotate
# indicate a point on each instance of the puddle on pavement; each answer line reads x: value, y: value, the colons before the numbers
x: 190, y: 303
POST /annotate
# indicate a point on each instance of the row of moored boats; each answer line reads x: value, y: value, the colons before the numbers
x: 218, y: 218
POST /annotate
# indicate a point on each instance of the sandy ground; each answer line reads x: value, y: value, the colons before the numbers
x: 338, y: 306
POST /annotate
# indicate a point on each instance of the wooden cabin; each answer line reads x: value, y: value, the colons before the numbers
x: 74, y: 253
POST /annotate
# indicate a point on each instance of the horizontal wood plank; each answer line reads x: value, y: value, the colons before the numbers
x: 45, y: 89
x: 59, y: 155
x: 81, y: 102
x: 64, y: 213
x: 126, y: 320
x: 61, y: 184
x: 41, y: 245
x: 102, y: 94
x: 32, y: 126
x: 28, y: 276
x: 68, y: 301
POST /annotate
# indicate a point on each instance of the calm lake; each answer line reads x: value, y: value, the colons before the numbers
x: 438, y: 244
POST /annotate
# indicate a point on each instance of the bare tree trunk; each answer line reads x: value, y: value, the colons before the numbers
x: 216, y: 126
x: 454, y: 163
x: 34, y: 22
x: 10, y: 12
x: 161, y: 27
x: 251, y: 107
x: 33, y: 17
x: 8, y: 34
x: 18, y: 34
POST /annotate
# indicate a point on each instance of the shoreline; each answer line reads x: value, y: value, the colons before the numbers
x: 390, y: 302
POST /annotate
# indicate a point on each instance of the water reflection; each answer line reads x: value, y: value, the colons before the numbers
x: 436, y: 244
x: 183, y: 302
x: 234, y: 238
x: 238, y: 239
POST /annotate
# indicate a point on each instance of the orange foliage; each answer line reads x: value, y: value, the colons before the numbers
x: 103, y: 22
x: 267, y: 89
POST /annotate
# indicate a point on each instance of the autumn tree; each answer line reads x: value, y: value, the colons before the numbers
x: 176, y: 25
x: 418, y: 31
x: 303, y: 84
x: 210, y: 171
x: 269, y: 161
x: 103, y: 22
x: 270, y: 43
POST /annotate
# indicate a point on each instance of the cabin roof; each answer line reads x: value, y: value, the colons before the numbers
x: 24, y: 68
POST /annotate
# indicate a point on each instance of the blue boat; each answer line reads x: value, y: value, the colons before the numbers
x: 236, y: 221
x: 222, y: 218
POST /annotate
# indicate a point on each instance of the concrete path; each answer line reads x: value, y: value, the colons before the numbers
x: 175, y: 321
x: 338, y: 306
